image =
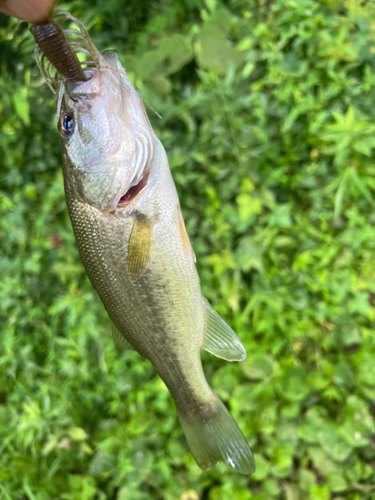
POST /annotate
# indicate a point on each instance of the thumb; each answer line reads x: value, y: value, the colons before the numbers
x: 31, y: 11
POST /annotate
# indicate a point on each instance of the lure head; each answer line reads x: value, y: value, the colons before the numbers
x: 106, y: 138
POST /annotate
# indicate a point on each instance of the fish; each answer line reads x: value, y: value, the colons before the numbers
x: 130, y: 232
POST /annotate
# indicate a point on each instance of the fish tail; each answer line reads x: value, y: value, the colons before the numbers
x: 214, y: 436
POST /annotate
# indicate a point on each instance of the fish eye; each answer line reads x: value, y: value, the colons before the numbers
x: 66, y: 125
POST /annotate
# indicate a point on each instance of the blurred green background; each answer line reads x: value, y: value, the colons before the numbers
x: 269, y: 124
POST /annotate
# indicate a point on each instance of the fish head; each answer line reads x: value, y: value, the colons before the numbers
x: 107, y: 140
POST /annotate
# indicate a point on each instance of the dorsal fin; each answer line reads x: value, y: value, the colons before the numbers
x: 219, y: 338
x: 188, y: 249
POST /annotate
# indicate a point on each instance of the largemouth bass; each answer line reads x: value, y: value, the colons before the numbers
x: 131, y: 236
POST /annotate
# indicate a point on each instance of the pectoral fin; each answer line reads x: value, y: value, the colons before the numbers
x: 120, y: 341
x: 219, y: 339
x: 139, y: 246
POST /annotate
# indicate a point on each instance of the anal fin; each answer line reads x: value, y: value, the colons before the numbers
x: 219, y: 338
x: 120, y: 341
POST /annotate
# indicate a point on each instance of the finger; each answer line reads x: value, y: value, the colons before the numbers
x: 31, y: 11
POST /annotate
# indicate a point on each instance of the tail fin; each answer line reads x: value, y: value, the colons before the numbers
x: 214, y: 436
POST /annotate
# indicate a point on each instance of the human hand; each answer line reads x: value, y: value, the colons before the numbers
x: 31, y: 11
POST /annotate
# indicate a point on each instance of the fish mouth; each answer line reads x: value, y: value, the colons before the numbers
x: 133, y: 191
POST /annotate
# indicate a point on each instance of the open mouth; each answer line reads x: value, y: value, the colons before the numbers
x: 133, y: 191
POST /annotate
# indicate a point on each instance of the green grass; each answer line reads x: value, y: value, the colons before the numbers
x: 269, y: 125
